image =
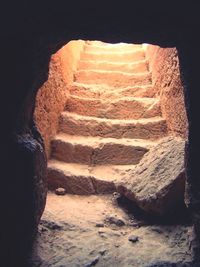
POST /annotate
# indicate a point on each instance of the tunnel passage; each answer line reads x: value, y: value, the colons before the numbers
x: 103, y: 108
x: 108, y: 107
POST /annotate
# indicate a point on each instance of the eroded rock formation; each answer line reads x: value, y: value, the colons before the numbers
x: 103, y: 128
x: 157, y: 184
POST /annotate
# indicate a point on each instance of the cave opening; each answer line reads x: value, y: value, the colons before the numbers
x: 114, y: 125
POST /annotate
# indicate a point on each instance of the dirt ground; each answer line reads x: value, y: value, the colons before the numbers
x: 84, y: 231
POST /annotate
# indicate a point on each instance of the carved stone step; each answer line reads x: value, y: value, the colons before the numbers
x: 114, y: 57
x: 153, y: 128
x: 138, y: 66
x: 99, y: 47
x: 107, y: 92
x: 122, y: 108
x: 83, y: 179
x: 112, y: 78
x: 98, y: 151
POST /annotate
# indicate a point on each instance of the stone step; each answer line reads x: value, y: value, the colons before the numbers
x: 114, y: 57
x: 84, y: 179
x: 107, y: 92
x: 100, y: 47
x: 122, y: 108
x: 112, y: 78
x: 138, y: 66
x: 110, y: 50
x: 97, y: 150
x: 73, y: 124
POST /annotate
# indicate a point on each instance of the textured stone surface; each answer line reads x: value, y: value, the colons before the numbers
x: 108, y: 92
x: 99, y: 47
x: 157, y: 183
x: 98, y: 151
x: 139, y: 66
x: 74, y: 124
x: 115, y: 56
x: 69, y: 221
x: 51, y: 97
x: 80, y: 179
x: 122, y: 108
x: 112, y: 78
x: 50, y: 102
x: 164, y: 65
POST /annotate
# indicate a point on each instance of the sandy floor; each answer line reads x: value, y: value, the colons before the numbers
x: 83, y: 231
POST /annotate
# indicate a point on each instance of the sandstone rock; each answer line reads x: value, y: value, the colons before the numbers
x: 74, y: 124
x: 99, y: 47
x: 121, y: 108
x: 125, y: 57
x: 98, y: 151
x: 78, y: 179
x: 157, y: 183
x: 138, y: 66
x: 112, y: 78
x: 108, y: 92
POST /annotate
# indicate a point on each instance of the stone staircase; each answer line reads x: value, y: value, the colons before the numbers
x: 111, y: 120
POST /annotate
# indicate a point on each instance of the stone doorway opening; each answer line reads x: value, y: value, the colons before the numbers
x: 112, y: 116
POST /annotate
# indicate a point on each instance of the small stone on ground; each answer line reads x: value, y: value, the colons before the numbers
x: 133, y: 238
x: 60, y: 191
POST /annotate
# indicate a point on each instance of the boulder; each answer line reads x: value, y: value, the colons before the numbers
x: 157, y: 183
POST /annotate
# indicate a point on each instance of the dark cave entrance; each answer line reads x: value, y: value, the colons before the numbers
x: 31, y: 34
x: 63, y: 89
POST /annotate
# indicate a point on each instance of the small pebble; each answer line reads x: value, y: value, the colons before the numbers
x: 114, y: 220
x: 133, y: 238
x: 99, y: 225
x: 60, y: 191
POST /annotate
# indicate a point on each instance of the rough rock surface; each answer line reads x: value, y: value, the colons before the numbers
x: 122, y: 108
x: 69, y: 237
x: 158, y: 181
x: 51, y: 97
x: 112, y: 78
x: 98, y: 130
x: 151, y: 129
x: 126, y: 57
x: 164, y: 66
x: 98, y: 151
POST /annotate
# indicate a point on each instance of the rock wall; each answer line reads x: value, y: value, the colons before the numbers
x: 164, y: 65
x: 52, y: 96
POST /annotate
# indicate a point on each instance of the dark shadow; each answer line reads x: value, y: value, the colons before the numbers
x: 181, y: 217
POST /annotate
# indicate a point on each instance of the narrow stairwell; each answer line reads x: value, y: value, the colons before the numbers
x: 111, y: 120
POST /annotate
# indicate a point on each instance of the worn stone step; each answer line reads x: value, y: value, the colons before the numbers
x: 112, y: 78
x: 73, y: 124
x: 122, y: 108
x: 138, y: 66
x: 97, y: 150
x: 100, y: 47
x: 84, y: 179
x: 107, y: 92
x: 114, y: 57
